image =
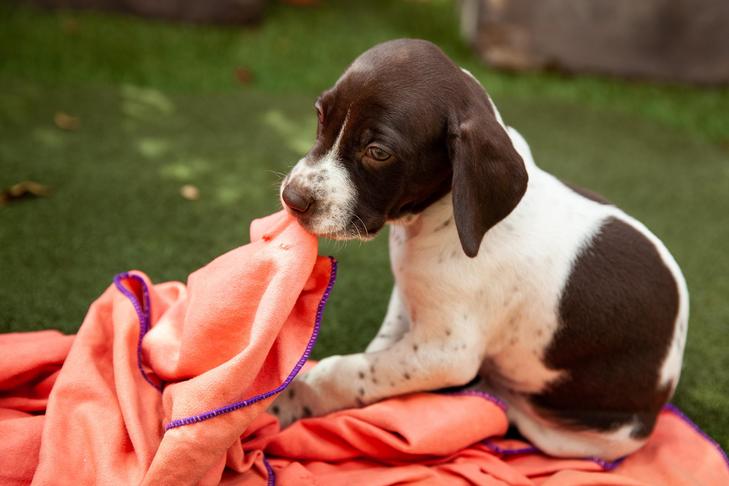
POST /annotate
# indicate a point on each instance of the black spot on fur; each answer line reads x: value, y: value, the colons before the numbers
x: 292, y: 393
x: 275, y: 409
x: 406, y: 375
x: 361, y: 392
x: 443, y: 225
x: 359, y: 401
x: 415, y: 347
x: 306, y: 412
x: 617, y: 316
x: 361, y: 375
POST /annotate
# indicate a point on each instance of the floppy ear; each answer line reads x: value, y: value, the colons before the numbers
x: 489, y: 177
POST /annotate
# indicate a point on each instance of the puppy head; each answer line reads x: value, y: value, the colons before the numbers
x: 401, y: 128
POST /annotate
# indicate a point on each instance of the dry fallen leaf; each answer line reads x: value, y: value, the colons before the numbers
x: 69, y: 25
x: 22, y: 190
x: 190, y: 192
x: 64, y: 121
x: 243, y: 75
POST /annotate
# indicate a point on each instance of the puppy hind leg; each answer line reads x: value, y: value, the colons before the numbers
x: 557, y: 440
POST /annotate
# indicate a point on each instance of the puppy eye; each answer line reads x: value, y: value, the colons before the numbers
x: 375, y: 152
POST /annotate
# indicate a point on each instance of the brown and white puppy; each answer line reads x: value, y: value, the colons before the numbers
x: 567, y: 308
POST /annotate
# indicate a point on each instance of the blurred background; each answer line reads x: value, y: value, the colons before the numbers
x: 142, y: 134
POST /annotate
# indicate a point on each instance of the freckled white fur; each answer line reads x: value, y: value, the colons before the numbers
x: 510, y: 293
x: 329, y: 181
x: 449, y: 315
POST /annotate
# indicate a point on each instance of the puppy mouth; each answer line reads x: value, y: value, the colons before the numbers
x: 355, y: 230
x: 324, y: 213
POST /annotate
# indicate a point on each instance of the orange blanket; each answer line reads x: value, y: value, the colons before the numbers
x: 168, y: 384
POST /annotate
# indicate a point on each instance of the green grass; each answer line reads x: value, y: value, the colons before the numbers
x: 160, y: 107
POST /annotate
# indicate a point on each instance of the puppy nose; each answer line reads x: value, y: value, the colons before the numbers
x: 296, y: 199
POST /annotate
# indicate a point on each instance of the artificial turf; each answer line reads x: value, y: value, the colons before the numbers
x: 161, y: 106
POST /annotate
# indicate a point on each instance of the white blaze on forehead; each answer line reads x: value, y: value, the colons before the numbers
x: 335, y: 148
x: 328, y: 181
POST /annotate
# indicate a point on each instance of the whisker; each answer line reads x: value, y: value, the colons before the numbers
x: 364, y: 227
x: 279, y: 175
x: 356, y: 228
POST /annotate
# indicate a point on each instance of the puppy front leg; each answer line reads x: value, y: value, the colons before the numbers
x: 410, y: 365
x: 395, y: 324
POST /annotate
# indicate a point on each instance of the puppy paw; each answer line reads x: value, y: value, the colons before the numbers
x: 311, y: 394
x: 291, y: 405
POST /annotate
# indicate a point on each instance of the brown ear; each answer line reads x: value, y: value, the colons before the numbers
x: 489, y: 177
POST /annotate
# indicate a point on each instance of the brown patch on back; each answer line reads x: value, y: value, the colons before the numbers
x: 586, y: 193
x: 617, y: 318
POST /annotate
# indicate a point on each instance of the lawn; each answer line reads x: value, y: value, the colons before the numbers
x: 160, y: 106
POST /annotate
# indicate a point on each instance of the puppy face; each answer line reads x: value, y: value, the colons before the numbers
x: 397, y: 132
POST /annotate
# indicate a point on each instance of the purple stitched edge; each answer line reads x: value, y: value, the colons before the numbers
x: 250, y: 401
x: 143, y: 314
x: 508, y: 452
x: 605, y: 465
x: 271, y: 481
x: 487, y: 396
x: 673, y: 408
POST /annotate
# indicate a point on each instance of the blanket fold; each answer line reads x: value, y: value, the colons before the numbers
x: 162, y: 380
x: 168, y: 384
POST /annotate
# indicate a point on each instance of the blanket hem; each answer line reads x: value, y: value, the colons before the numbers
x: 143, y: 314
x: 679, y: 413
x: 295, y: 371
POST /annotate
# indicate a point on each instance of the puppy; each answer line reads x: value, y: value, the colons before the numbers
x: 566, y: 307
